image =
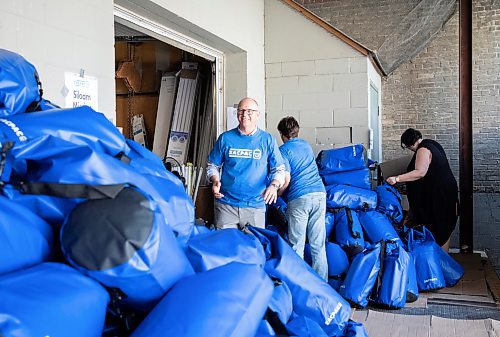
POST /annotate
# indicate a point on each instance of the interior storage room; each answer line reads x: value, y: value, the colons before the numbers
x: 165, y: 102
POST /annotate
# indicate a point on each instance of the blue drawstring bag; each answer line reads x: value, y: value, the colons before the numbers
x: 377, y: 226
x: 226, y: 301
x: 329, y: 223
x: 389, y: 203
x: 343, y: 159
x: 124, y: 242
x: 312, y: 297
x: 338, y: 263
x: 392, y: 281
x: 357, y: 178
x: 351, y: 197
x: 354, y: 329
x: 412, y: 293
x: 361, y: 276
x: 19, y: 84
x: 217, y: 248
x: 347, y: 232
x: 452, y: 271
x: 26, y: 239
x: 425, y: 250
x: 51, y: 299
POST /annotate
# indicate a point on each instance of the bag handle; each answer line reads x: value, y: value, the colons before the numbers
x: 84, y: 191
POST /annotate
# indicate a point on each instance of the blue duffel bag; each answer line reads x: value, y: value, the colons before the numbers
x: 361, y: 276
x: 46, y: 164
x: 312, y: 297
x: 377, y: 226
x: 351, y: 197
x: 347, y: 232
x: 452, y: 271
x: 217, y: 248
x: 79, y: 126
x: 357, y: 178
x: 389, y: 203
x: 124, y: 242
x: 51, y: 299
x: 51, y: 209
x: 26, y: 239
x: 344, y: 159
x: 19, y: 84
x: 425, y: 252
x: 226, y: 301
x: 392, y: 281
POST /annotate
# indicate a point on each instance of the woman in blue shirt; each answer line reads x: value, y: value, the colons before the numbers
x: 305, y: 195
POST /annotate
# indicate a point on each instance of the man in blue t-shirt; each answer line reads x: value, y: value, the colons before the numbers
x: 238, y: 167
x: 305, y: 195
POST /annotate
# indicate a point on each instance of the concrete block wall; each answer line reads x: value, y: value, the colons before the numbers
x: 327, y: 102
x: 321, y: 81
x: 423, y: 93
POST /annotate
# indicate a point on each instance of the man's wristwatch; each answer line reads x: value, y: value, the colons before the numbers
x: 276, y: 186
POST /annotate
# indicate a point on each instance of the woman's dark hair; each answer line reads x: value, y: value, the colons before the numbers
x: 409, y: 137
x: 289, y: 127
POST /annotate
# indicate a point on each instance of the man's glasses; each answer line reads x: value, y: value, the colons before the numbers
x: 248, y: 112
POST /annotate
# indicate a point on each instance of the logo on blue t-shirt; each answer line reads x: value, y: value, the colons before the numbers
x: 257, y: 154
x: 245, y: 153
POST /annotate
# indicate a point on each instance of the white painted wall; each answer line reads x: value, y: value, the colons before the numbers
x: 235, y: 27
x: 59, y: 36
x: 315, y: 77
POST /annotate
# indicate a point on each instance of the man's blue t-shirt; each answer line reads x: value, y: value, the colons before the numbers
x: 246, y: 162
x: 304, y: 176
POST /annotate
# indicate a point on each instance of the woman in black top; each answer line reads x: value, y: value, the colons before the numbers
x: 432, y: 188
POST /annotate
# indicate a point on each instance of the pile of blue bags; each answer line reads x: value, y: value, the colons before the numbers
x: 372, y: 257
x: 98, y: 239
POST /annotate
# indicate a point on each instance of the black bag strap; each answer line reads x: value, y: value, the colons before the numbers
x: 383, y: 253
x: 6, y: 147
x: 35, y: 105
x: 91, y: 192
x: 350, y: 221
x: 278, y: 326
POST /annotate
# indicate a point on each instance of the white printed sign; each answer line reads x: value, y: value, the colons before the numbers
x: 81, y: 90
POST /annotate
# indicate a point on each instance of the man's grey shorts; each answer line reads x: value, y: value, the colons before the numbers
x: 227, y: 216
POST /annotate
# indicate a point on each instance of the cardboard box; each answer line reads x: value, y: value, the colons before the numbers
x: 164, y: 114
x: 182, y: 121
x: 143, y: 57
x: 147, y: 105
x: 394, y: 167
